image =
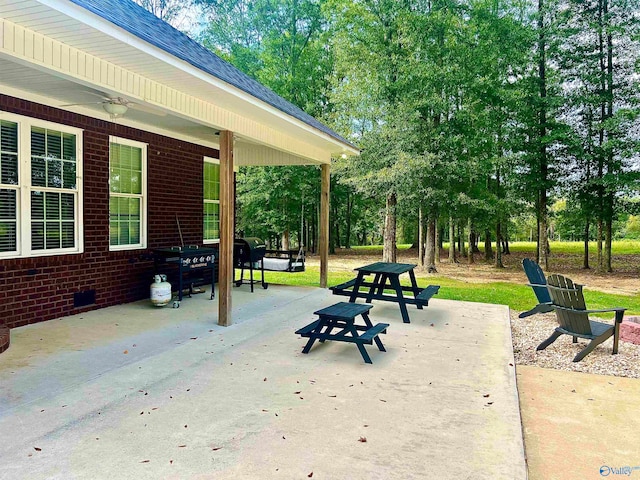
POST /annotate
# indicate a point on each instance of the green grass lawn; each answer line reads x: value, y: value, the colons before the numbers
x: 517, y: 297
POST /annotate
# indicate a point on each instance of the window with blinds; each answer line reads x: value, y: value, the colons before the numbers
x: 211, y: 212
x: 40, y: 195
x: 127, y: 186
x: 8, y: 186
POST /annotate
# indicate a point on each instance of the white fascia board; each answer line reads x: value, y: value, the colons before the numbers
x: 95, y: 21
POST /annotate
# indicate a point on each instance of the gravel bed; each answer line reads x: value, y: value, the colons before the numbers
x: 527, y: 333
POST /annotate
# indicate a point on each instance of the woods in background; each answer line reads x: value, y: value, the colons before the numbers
x: 477, y: 119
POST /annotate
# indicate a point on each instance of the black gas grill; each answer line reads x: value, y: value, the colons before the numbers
x: 248, y: 254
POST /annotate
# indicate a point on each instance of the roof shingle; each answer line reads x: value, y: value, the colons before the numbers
x: 146, y: 26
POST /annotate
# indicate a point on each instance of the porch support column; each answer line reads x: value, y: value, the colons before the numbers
x: 227, y: 208
x: 324, y: 224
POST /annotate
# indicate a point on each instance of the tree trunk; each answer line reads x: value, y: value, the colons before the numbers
x: 498, y: 263
x: 347, y: 230
x: 389, y: 246
x: 439, y: 235
x: 488, y: 254
x: 452, y: 241
x: 432, y: 245
x: 542, y: 131
x: 286, y: 240
x: 334, y: 239
x: 585, y: 258
x: 599, y: 245
x: 542, y: 236
x: 471, y: 241
x: 460, y: 241
x: 607, y: 246
x: 421, y: 238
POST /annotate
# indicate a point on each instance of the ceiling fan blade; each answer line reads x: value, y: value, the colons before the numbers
x: 79, y: 104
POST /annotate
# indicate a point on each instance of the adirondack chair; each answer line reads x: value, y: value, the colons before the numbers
x: 573, y: 317
x: 539, y: 285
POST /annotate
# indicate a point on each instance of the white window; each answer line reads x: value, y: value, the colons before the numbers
x: 211, y: 211
x: 128, y: 194
x: 40, y: 187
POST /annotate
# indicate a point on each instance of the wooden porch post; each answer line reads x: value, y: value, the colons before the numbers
x: 227, y: 208
x: 324, y: 225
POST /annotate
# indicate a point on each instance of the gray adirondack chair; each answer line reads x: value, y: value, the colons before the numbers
x: 573, y: 317
x: 538, y: 283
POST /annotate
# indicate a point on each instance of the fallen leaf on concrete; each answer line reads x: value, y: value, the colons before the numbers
x: 362, y: 439
x: 125, y: 352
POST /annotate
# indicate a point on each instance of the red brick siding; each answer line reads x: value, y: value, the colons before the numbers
x: 41, y: 288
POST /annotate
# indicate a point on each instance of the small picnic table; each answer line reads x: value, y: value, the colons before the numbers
x: 387, y: 275
x: 342, y: 318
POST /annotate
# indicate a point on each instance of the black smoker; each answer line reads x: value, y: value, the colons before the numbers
x: 248, y: 253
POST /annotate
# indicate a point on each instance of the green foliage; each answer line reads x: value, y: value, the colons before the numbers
x: 447, y: 101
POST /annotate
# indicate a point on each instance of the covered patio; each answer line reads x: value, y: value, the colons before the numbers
x: 133, y: 391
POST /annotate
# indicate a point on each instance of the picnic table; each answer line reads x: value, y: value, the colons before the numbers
x: 341, y: 317
x: 387, y: 276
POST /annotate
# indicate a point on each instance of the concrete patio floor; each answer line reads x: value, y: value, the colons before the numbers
x: 140, y: 392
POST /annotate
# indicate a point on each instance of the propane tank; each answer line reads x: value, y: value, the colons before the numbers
x: 160, y: 291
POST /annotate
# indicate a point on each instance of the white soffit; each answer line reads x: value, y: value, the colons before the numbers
x: 246, y: 153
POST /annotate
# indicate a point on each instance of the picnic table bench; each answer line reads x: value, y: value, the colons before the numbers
x: 341, y: 317
x: 386, y: 276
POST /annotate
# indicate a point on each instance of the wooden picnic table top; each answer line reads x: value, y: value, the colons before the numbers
x: 344, y: 310
x: 387, y: 268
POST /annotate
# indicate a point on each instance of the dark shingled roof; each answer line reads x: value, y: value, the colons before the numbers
x: 146, y: 26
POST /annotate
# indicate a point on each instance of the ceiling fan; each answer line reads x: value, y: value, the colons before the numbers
x: 116, y: 107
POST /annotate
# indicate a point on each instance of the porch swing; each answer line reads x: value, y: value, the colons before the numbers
x: 284, y: 260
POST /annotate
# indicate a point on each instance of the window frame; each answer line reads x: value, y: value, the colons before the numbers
x: 206, y: 241
x: 143, y: 195
x: 24, y: 188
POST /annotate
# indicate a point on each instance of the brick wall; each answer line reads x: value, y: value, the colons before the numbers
x: 38, y: 289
